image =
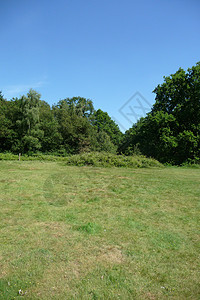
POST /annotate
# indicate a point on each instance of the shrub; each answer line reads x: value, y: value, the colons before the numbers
x: 111, y: 160
x: 97, y: 159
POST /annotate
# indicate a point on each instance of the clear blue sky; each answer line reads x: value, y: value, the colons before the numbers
x: 105, y: 50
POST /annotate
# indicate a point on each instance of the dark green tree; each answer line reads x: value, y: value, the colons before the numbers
x: 74, y: 126
x: 103, y: 122
x: 28, y: 123
x: 80, y: 106
x: 171, y: 131
x: 8, y: 135
x: 52, y: 139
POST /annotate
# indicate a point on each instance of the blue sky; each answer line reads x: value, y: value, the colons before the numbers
x: 105, y: 50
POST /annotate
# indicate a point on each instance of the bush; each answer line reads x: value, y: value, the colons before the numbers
x: 111, y: 160
x: 36, y: 156
x: 8, y: 156
x: 97, y: 159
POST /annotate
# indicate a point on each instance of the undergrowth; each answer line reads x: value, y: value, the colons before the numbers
x: 96, y: 159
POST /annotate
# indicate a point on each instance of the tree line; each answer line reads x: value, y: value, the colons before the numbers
x: 170, y: 132
x: 28, y: 124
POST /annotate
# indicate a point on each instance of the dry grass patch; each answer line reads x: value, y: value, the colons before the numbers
x: 110, y: 255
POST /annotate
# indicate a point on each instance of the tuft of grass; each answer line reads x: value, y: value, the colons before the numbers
x: 91, y: 228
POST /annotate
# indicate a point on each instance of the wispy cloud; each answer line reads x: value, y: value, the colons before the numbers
x: 19, y: 89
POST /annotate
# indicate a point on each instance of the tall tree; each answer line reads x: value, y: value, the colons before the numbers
x: 8, y: 135
x: 78, y: 105
x: 103, y: 122
x: 171, y: 131
x: 30, y: 134
x: 74, y: 126
x: 52, y: 139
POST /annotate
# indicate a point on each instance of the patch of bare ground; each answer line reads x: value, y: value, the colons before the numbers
x: 110, y: 254
x: 95, y: 190
x: 60, y: 277
x: 3, y: 272
x: 124, y: 177
x: 150, y: 296
x: 55, y: 229
x: 8, y: 180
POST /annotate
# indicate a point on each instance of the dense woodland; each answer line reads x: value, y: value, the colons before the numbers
x: 170, y: 133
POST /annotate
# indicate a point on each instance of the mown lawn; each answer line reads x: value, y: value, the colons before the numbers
x: 98, y: 233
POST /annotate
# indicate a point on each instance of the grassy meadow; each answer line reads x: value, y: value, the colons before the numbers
x: 69, y: 232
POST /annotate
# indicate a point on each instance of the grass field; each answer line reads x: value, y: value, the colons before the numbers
x: 98, y: 233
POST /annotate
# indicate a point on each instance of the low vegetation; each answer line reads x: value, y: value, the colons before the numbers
x: 111, y: 160
x: 91, y: 159
x: 70, y: 232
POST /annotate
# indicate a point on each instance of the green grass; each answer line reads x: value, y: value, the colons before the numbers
x: 98, y: 233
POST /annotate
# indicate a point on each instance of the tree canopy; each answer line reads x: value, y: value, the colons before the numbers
x: 28, y: 124
x: 171, y: 131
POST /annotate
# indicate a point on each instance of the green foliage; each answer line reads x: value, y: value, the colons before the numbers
x: 103, y: 143
x: 29, y: 125
x: 103, y: 122
x: 97, y: 159
x: 8, y: 135
x: 31, y: 157
x: 76, y: 131
x: 90, y: 228
x: 111, y: 160
x: 52, y: 139
x: 8, y: 156
x: 171, y: 131
x: 78, y: 105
